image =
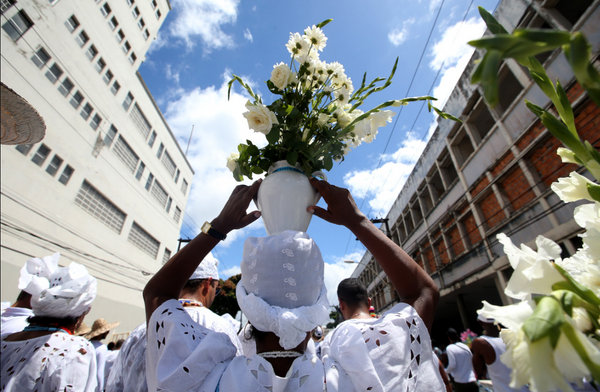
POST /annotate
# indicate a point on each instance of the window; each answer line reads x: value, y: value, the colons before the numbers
x: 107, y: 76
x: 184, y: 186
x: 54, y: 165
x: 66, y: 175
x: 120, y: 36
x: 140, y: 238
x: 113, y: 23
x: 65, y: 87
x: 126, y: 154
x: 115, y: 88
x: 95, y: 123
x: 41, y: 58
x: 94, y: 203
x: 127, y: 102
x: 132, y: 58
x: 159, y: 193
x: 169, y: 202
x: 41, y: 154
x: 149, y: 181
x: 16, y: 26
x: 463, y: 147
x: 110, y: 135
x: 72, y: 23
x: 166, y: 256
x: 91, y: 52
x: 177, y: 176
x: 145, y: 34
x: 511, y: 88
x: 86, y: 111
x: 54, y: 73
x: 100, y: 65
x: 177, y: 214
x: 135, y: 12
x: 140, y: 120
x: 168, y: 163
x: 140, y: 171
x: 154, y: 5
x: 141, y: 23
x: 82, y: 38
x: 6, y: 4
x: 24, y: 148
x: 158, y: 14
x: 76, y: 100
x: 152, y: 139
x: 130, y: 2
x: 105, y: 10
x: 126, y: 47
x: 161, y: 148
x: 572, y: 10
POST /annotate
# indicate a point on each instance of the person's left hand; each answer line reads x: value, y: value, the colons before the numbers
x: 234, y: 216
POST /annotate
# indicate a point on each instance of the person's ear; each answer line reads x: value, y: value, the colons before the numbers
x: 342, y: 305
x: 369, y: 302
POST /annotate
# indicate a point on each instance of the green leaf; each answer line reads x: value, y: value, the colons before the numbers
x: 264, y: 164
x: 489, y: 77
x: 292, y: 158
x: 593, y: 152
x: 567, y: 111
x: 537, y: 110
x: 324, y: 23
x: 237, y: 173
x: 492, y: 24
x: 445, y: 115
x: 256, y: 170
x: 566, y: 299
x: 525, y: 48
x: 546, y: 320
x: 594, y: 191
x: 273, y: 136
x: 328, y: 162
x: 549, y: 37
x: 572, y: 285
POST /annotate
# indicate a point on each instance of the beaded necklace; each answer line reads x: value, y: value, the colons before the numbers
x: 190, y: 302
x: 43, y: 328
x: 280, y: 354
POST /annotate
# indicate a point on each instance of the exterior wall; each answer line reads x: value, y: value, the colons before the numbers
x: 488, y: 175
x: 40, y: 214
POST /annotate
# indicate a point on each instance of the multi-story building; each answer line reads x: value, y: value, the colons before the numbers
x: 108, y: 184
x: 490, y: 174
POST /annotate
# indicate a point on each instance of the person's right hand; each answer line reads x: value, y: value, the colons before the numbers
x: 341, y: 208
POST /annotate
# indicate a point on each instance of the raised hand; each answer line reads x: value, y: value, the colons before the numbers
x: 234, y: 216
x: 341, y: 208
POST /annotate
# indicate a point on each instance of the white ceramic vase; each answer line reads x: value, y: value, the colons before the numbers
x: 284, y: 196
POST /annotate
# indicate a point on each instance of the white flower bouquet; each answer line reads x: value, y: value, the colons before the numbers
x: 553, y: 335
x: 317, y: 119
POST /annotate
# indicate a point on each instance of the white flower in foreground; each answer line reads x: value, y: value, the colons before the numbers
x: 572, y: 188
x: 588, y: 217
x: 335, y: 69
x: 232, y: 161
x: 315, y: 36
x: 260, y: 118
x: 397, y: 103
x: 380, y: 119
x: 584, y: 269
x: 362, y: 128
x: 323, y: 119
x: 534, y: 273
x: 566, y: 155
x: 342, y: 95
x: 567, y: 357
x: 342, y: 116
x: 511, y: 316
x: 297, y: 45
x: 280, y: 75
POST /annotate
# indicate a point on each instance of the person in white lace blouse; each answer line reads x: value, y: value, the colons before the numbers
x: 283, y: 295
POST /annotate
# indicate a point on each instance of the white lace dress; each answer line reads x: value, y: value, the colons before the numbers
x: 56, y: 362
x: 184, y: 356
x: 392, y: 353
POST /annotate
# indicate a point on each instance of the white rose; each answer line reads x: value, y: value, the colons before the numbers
x: 232, y: 161
x: 280, y: 76
x: 260, y: 118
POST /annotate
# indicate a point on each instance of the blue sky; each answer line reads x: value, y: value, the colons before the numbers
x: 203, y: 42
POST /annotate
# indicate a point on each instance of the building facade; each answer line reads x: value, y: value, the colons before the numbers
x: 108, y: 184
x: 490, y: 174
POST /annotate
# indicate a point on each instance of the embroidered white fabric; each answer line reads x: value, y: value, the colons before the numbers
x: 208, y: 268
x: 65, y: 292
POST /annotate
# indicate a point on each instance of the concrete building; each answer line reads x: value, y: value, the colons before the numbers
x: 488, y: 175
x: 108, y: 184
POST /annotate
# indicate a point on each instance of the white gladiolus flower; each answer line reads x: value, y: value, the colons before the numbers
x: 343, y: 118
x: 534, y: 274
x: 511, y: 316
x: 362, y: 128
x: 370, y: 137
x: 582, y: 320
x: 315, y: 36
x: 572, y: 188
x: 380, y: 119
x: 584, y: 269
x: 297, y: 45
x: 397, y: 103
x: 260, y: 118
x: 323, y: 119
x: 566, y: 155
x: 232, y: 161
x: 280, y: 75
x: 594, y: 168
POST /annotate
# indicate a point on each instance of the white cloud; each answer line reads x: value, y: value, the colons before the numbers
x: 248, y: 35
x: 172, y: 75
x: 454, y: 53
x: 336, y: 272
x: 398, y: 36
x: 204, y: 19
x: 226, y: 273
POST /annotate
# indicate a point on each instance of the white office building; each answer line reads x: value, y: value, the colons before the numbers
x: 108, y: 185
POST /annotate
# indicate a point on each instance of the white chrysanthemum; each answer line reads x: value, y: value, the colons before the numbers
x: 335, y: 69
x: 343, y: 117
x: 232, y: 161
x: 315, y: 36
x: 534, y: 273
x: 343, y: 95
x: 306, y: 58
x: 296, y: 45
x: 280, y: 75
x: 572, y: 188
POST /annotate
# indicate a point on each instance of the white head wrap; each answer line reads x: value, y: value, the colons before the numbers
x: 63, y: 292
x: 484, y: 319
x: 282, y: 289
x: 207, y: 269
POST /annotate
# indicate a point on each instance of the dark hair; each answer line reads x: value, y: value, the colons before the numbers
x: 119, y: 343
x: 53, y: 321
x: 353, y: 292
x: 452, y: 334
x: 23, y: 296
x: 111, y: 346
x: 194, y: 284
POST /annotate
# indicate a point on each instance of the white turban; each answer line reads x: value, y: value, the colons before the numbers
x: 64, y: 292
x: 35, y: 271
x: 282, y: 289
x: 208, y: 268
